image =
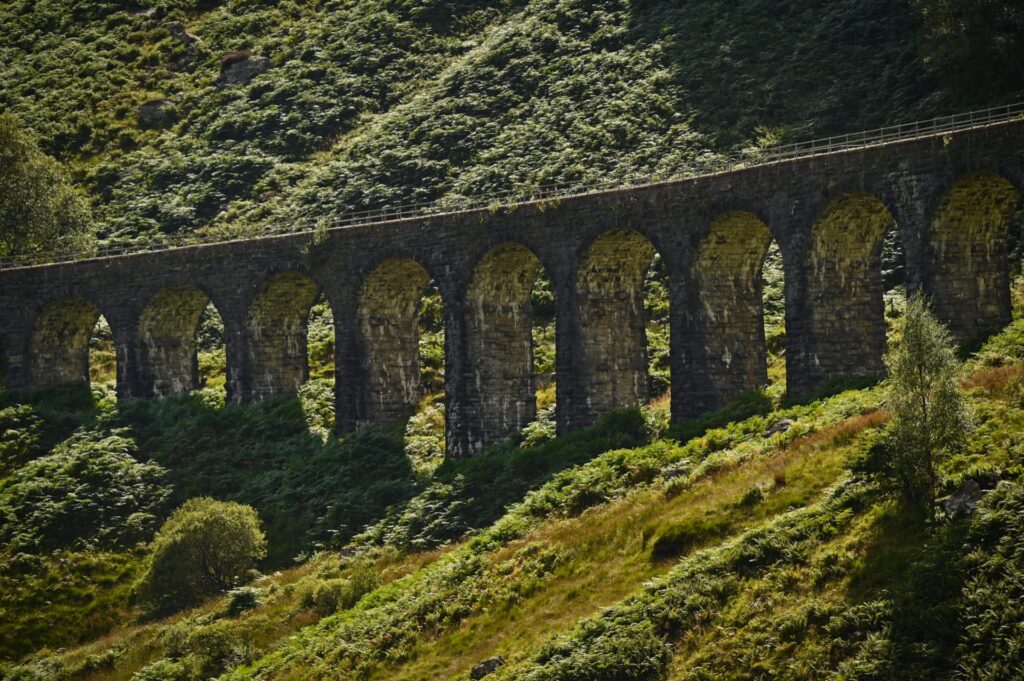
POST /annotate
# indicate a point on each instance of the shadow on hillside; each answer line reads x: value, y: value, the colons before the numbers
x: 815, y: 67
x: 917, y: 569
x: 62, y: 410
x: 309, y: 492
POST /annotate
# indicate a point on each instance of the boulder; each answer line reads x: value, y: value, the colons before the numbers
x: 485, y: 668
x: 780, y: 427
x: 156, y: 113
x: 964, y: 500
x: 237, y: 68
x: 178, y: 33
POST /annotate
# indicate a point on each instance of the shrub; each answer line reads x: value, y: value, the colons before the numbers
x: 90, y: 487
x: 206, y: 547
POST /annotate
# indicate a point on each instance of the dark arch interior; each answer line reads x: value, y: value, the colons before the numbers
x: 390, y: 310
x: 969, y: 240
x: 846, y: 298
x: 730, y: 267
x: 277, y: 328
x: 102, y: 354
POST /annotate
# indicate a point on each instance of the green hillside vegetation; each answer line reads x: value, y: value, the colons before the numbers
x: 386, y: 102
x: 692, y: 558
x: 756, y: 542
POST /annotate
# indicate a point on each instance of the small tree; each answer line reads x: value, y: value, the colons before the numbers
x: 38, y: 206
x: 929, y: 414
x: 205, y: 548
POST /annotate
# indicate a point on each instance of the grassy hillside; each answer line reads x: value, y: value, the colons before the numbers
x: 747, y: 544
x: 739, y: 550
x: 384, y: 102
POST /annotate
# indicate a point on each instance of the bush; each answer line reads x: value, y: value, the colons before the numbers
x: 90, y: 488
x: 331, y: 595
x: 206, y: 547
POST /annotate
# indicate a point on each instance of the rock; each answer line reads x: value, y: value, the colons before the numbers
x: 237, y: 68
x: 780, y: 427
x: 677, y: 470
x: 156, y: 113
x: 178, y: 32
x: 488, y: 666
x: 964, y: 500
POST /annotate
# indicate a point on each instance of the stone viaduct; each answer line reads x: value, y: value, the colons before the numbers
x: 951, y: 195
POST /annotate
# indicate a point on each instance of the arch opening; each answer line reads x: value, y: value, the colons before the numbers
x: 613, y: 323
x: 60, y: 345
x: 846, y: 288
x: 401, y: 342
x: 178, y: 322
x: 969, y: 273
x: 731, y: 279
x: 510, y: 340
x: 102, y: 356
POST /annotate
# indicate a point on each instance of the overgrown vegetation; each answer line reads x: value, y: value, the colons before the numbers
x: 38, y: 206
x: 739, y: 545
x: 375, y: 104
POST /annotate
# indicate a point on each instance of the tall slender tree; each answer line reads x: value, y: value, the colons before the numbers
x: 929, y: 413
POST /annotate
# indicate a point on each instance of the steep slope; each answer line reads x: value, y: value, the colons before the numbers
x: 745, y: 548
x: 385, y: 102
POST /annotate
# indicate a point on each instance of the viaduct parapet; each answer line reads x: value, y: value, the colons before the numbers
x: 952, y: 196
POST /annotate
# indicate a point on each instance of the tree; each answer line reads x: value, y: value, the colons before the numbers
x: 39, y: 208
x: 205, y: 548
x: 929, y: 413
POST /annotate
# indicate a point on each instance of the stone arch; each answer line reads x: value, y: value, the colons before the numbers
x: 969, y: 278
x: 389, y: 340
x: 59, y: 346
x: 276, y: 328
x: 727, y: 273
x: 613, y: 334
x: 166, y: 341
x: 501, y: 398
x: 846, y: 316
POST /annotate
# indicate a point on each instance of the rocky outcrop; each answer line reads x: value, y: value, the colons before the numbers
x: 486, y: 668
x: 238, y: 68
x: 186, y: 39
x: 156, y: 113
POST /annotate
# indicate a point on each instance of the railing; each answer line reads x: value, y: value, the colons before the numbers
x: 706, y: 166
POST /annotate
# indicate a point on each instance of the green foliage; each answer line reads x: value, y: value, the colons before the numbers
x: 340, y: 593
x: 64, y: 597
x: 91, y: 489
x: 993, y: 607
x: 38, y: 205
x: 974, y: 47
x: 20, y: 437
x: 206, y: 547
x: 379, y: 103
x: 929, y: 414
x: 470, y: 494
